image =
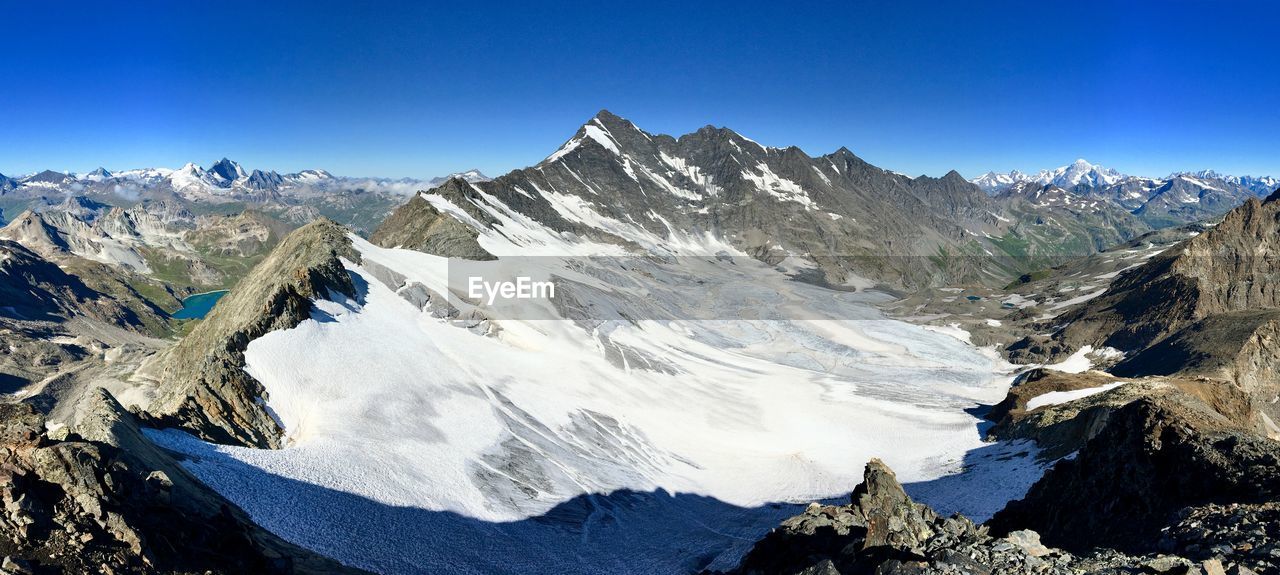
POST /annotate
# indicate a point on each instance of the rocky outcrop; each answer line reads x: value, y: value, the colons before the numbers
x: 1239, y: 346
x: 1062, y: 428
x: 417, y: 225
x: 1230, y: 535
x: 99, y: 498
x: 880, y: 525
x: 883, y: 532
x: 204, y: 388
x: 1155, y: 457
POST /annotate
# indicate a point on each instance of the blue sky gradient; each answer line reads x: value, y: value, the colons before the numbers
x: 423, y: 89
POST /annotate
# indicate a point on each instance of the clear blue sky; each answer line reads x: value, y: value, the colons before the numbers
x: 423, y: 89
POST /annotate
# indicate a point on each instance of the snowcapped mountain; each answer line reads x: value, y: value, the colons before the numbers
x: 1077, y: 173
x: 663, y: 376
x: 472, y: 176
x: 227, y: 171
x: 613, y: 180
x: 1183, y: 197
x: 224, y: 181
x: 1263, y: 186
x: 693, y: 373
x: 992, y: 183
x: 294, y: 197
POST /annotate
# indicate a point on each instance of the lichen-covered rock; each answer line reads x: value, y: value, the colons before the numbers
x: 890, y: 517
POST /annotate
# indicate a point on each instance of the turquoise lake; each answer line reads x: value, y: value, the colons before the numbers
x: 198, y: 305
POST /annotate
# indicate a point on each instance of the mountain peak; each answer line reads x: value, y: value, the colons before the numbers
x: 47, y: 176
x: 227, y: 170
x: 472, y: 176
x: 260, y: 180
x: 606, y: 116
x: 605, y: 129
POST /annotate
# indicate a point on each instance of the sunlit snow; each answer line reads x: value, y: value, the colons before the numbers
x: 683, y: 406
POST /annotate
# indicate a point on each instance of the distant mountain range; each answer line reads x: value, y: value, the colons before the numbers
x: 1074, y: 174
x: 1083, y: 173
x: 223, y: 181
x: 615, y: 181
x: 223, y: 187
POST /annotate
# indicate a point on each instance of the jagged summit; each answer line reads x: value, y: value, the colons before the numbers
x: 615, y: 183
x: 98, y: 175
x: 227, y: 170
x: 260, y: 180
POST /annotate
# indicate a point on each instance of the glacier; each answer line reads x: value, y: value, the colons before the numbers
x: 698, y: 402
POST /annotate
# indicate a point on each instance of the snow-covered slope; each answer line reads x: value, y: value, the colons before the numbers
x: 649, y: 428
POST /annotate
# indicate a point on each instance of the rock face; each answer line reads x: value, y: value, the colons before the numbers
x: 1156, y: 456
x: 883, y: 532
x: 1058, y: 213
x: 103, y: 499
x: 161, y: 240
x: 1238, y: 346
x: 205, y: 389
x: 417, y: 225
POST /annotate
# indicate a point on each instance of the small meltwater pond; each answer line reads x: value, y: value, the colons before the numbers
x: 197, y: 306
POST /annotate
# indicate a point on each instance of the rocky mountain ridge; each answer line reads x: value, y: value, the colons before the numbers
x: 615, y: 183
x: 203, y: 386
x: 882, y: 531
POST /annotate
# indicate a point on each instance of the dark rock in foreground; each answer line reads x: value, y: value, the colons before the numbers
x: 1156, y: 456
x: 882, y: 531
x: 104, y: 499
